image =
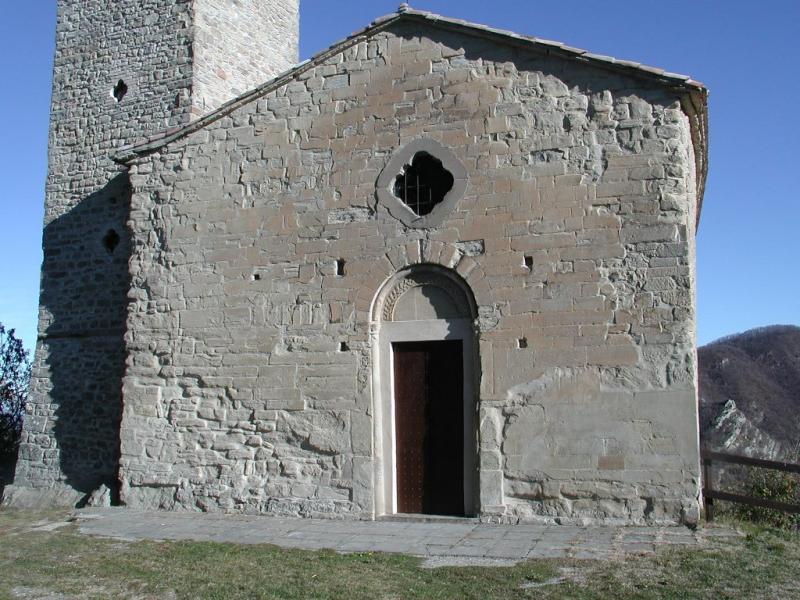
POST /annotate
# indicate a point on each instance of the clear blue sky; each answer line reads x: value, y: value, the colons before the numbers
x: 747, y: 53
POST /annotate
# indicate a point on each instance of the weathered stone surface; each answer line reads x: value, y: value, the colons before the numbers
x: 176, y: 59
x: 588, y: 304
x: 258, y: 248
x: 234, y: 49
x: 101, y: 497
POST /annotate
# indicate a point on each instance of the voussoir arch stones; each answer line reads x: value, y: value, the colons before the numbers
x: 449, y: 260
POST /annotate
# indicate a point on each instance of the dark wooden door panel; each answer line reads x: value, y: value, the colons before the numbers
x: 409, y: 370
x: 429, y: 422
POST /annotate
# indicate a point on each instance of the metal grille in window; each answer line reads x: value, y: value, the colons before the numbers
x: 423, y: 184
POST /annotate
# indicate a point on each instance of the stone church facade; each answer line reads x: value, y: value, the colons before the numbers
x: 437, y: 268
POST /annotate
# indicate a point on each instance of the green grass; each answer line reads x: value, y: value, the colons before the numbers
x: 33, y: 564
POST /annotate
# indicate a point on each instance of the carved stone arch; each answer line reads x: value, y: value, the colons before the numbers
x: 449, y: 282
x: 389, y: 268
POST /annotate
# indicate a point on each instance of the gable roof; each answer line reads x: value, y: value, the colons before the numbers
x: 694, y: 98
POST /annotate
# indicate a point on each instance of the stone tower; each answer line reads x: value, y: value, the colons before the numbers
x: 123, y: 70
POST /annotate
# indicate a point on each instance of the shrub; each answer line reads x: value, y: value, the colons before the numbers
x: 771, y: 485
x: 15, y: 372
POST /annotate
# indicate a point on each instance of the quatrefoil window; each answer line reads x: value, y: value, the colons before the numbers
x: 422, y: 183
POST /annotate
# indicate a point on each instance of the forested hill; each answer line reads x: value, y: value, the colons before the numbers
x: 750, y: 393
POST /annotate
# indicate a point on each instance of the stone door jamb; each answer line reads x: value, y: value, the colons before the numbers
x: 383, y: 333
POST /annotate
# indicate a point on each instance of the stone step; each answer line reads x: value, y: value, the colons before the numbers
x: 420, y: 518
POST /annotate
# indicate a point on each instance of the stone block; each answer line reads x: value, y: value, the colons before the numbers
x: 491, y: 485
x: 661, y: 233
x: 614, y: 462
x: 611, y: 356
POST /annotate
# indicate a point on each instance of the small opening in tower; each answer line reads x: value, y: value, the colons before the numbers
x: 522, y: 342
x: 119, y: 91
x: 343, y: 347
x: 340, y: 267
x: 529, y: 263
x: 256, y: 277
x: 110, y: 241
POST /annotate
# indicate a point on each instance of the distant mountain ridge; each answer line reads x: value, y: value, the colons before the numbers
x: 750, y: 393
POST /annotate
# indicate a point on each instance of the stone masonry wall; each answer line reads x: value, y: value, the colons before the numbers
x: 70, y: 440
x: 71, y: 434
x: 573, y: 235
x: 238, y: 48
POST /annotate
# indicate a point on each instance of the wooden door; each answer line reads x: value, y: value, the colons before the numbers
x: 429, y: 427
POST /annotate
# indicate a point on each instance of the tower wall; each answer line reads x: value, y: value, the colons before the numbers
x: 123, y: 70
x: 237, y: 50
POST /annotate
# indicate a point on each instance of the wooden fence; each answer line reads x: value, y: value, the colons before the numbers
x: 710, y: 494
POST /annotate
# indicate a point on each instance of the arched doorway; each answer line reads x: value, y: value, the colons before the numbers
x: 424, y: 384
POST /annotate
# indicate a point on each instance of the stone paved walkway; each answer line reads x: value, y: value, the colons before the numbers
x: 443, y: 542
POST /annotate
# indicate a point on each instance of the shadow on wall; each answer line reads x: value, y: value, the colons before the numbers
x: 6, y: 474
x: 77, y: 377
